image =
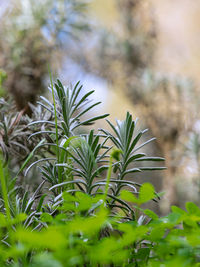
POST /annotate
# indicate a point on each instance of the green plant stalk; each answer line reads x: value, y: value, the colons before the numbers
x: 4, y: 193
x: 108, y: 178
x: 115, y: 154
x: 56, y: 125
x: 64, y: 157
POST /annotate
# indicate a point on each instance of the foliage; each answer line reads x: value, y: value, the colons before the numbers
x: 79, y: 215
x: 83, y: 234
x: 80, y: 159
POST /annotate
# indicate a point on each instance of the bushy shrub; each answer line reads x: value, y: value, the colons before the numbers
x: 86, y: 212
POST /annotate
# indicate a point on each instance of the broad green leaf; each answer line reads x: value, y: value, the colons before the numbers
x: 147, y: 193
x: 192, y: 208
x: 151, y: 214
x: 157, y: 233
x: 173, y: 218
x: 128, y: 196
x: 178, y: 210
x: 46, y: 217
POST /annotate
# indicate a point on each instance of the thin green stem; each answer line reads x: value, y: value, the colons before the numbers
x: 56, y: 126
x: 108, y: 178
x: 5, y: 193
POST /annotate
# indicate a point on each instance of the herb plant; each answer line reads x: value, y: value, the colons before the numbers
x: 86, y: 210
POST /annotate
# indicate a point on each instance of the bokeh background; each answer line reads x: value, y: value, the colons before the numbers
x: 140, y: 56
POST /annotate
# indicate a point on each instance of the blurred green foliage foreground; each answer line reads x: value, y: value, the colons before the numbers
x: 84, y: 211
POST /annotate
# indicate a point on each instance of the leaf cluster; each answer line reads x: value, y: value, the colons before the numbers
x: 83, y: 234
x: 87, y: 210
x: 76, y: 161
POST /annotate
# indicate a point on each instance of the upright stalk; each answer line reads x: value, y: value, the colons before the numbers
x: 4, y: 193
x: 115, y: 154
x: 108, y: 178
x: 56, y: 126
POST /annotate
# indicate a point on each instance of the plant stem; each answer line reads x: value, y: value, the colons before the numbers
x: 108, y: 178
x: 4, y: 192
x: 56, y: 125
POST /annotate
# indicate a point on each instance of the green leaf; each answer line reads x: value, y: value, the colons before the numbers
x: 151, y: 214
x: 173, y: 218
x: 128, y: 196
x: 19, y: 218
x: 46, y: 217
x: 147, y: 193
x: 178, y: 210
x: 90, y: 121
x: 143, y: 254
x: 192, y: 208
x: 157, y: 233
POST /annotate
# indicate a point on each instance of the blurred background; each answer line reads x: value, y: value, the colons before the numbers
x: 140, y: 56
